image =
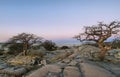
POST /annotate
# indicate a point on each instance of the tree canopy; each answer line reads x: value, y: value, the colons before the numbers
x: 25, y: 40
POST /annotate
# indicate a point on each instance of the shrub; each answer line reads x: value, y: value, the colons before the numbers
x: 64, y: 47
x: 49, y: 45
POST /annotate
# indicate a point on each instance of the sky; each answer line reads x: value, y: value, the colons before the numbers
x: 54, y: 19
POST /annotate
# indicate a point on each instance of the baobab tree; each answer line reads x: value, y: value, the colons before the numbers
x: 26, y: 40
x: 99, y: 33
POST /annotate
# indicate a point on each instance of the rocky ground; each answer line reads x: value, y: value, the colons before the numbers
x: 77, y: 68
x: 60, y: 63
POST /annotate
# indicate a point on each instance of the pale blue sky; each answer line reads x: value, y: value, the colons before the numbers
x: 54, y: 19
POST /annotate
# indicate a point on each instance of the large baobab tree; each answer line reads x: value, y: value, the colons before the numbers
x: 99, y: 33
x: 26, y: 40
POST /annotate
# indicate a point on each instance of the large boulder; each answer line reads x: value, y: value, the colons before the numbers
x: 88, y: 51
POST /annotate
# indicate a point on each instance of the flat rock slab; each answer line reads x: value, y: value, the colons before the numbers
x: 72, y: 63
x: 115, y: 69
x: 91, y: 70
x: 45, y: 70
x: 71, y: 72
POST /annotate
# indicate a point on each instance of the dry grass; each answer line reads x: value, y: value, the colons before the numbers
x: 21, y: 60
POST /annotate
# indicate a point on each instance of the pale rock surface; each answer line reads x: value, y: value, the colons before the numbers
x: 71, y: 72
x: 91, y: 70
x: 45, y: 70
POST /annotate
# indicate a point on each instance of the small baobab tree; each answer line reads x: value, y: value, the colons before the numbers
x: 99, y: 33
x: 26, y: 40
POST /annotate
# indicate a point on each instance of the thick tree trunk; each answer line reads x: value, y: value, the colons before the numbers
x: 103, y: 51
x: 25, y: 49
x: 102, y: 55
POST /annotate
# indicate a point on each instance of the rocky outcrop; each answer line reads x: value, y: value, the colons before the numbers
x: 62, y: 63
x: 33, y: 56
x: 88, y: 51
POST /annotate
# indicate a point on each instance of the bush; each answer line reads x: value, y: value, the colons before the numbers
x: 64, y: 47
x: 49, y: 45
